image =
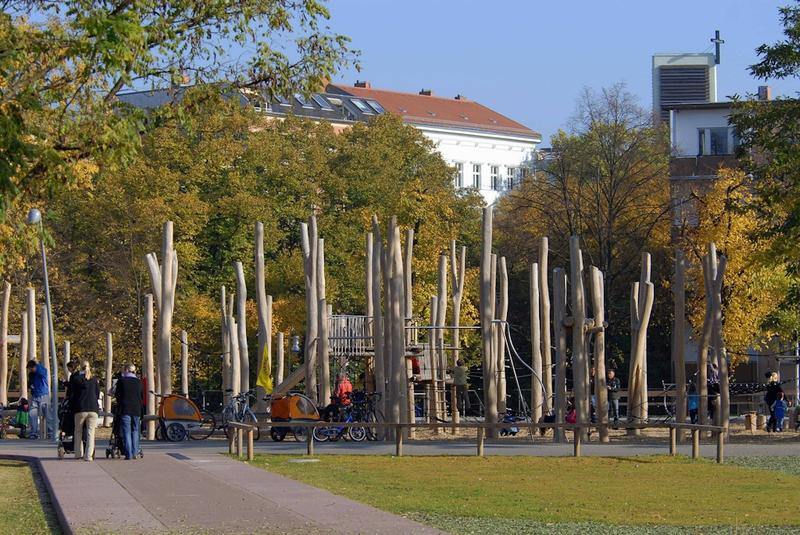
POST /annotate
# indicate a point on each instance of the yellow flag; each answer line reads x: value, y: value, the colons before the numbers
x: 265, y: 373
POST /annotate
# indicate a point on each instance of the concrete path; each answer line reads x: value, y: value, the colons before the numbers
x: 196, y: 490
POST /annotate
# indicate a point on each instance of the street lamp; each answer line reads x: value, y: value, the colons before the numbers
x: 35, y: 218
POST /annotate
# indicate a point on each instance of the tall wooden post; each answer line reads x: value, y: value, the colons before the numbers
x: 45, y: 360
x: 4, y: 310
x: 486, y: 316
x: 31, y: 312
x: 241, y: 322
x: 579, y: 357
x: 369, y: 366
x: 399, y: 378
x: 544, y: 321
x: 705, y: 340
x: 559, y: 328
x: 66, y: 355
x: 322, y: 326
x: 679, y: 341
x: 502, y: 315
x: 184, y: 363
x: 536, y: 347
x: 308, y: 234
x: 457, y: 272
x: 164, y: 279
x: 233, y: 350
x: 279, y: 366
x: 225, y: 334
x: 264, y: 311
x: 717, y: 269
x: 23, y: 358
x: 408, y: 290
x: 642, y: 295
x: 433, y: 344
x: 441, y: 319
x: 109, y: 376
x: 600, y: 388
x: 148, y: 365
x: 377, y: 315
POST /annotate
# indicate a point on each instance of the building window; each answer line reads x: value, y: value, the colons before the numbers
x: 476, y: 176
x: 701, y: 142
x: 511, y: 175
x: 719, y: 140
x: 715, y: 141
x: 494, y: 177
x: 459, y: 174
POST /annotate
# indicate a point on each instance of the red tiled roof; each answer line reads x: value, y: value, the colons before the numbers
x: 439, y: 111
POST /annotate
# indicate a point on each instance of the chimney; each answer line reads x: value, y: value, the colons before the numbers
x: 460, y: 97
x: 426, y: 92
x: 764, y: 92
x: 364, y: 84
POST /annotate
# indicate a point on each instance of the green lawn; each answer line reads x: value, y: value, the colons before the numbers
x: 21, y: 509
x: 559, y: 494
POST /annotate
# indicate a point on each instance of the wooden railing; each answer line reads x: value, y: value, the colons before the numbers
x: 236, y: 438
x: 481, y: 427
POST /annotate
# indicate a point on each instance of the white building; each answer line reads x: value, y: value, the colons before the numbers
x: 682, y: 79
x: 490, y: 152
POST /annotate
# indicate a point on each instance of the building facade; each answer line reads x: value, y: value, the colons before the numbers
x: 682, y: 79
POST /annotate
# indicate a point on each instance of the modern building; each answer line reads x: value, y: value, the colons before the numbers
x: 490, y: 152
x: 682, y: 79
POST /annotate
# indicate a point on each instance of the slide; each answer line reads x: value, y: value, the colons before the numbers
x: 290, y: 382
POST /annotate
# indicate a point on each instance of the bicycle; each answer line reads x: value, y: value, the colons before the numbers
x: 238, y: 410
x: 365, y: 410
x: 335, y: 432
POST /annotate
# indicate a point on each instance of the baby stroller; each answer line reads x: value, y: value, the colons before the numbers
x: 116, y: 442
x: 510, y: 418
x: 66, y: 430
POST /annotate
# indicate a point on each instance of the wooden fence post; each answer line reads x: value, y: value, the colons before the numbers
x: 695, y: 444
x: 720, y: 447
x: 310, y: 440
x: 673, y: 433
x: 398, y: 437
x: 250, y: 454
x: 577, y: 442
x: 481, y: 435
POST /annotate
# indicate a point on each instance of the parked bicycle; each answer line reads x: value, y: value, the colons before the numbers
x: 365, y: 409
x: 238, y: 410
x: 335, y: 411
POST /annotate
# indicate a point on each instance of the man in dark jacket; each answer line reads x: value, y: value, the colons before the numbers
x: 613, y: 386
x: 128, y: 393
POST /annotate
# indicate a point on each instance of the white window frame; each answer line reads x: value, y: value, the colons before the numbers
x: 511, y: 174
x: 495, y: 180
x: 459, y: 178
x: 477, y: 172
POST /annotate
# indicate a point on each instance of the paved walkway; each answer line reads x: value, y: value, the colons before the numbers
x: 196, y: 490
x: 190, y: 487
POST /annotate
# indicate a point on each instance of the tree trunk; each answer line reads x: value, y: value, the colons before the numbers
x: 184, y: 364
x: 486, y: 316
x: 309, y: 243
x: 166, y: 308
x: 679, y: 340
x: 322, y: 322
x: 226, y: 354
x: 233, y: 349
x: 579, y: 357
x: 399, y: 378
x: 408, y: 290
x: 702, y: 357
x: 502, y: 315
x: 279, y: 366
x: 536, y: 348
x: 241, y: 322
x: 31, y: 312
x: 369, y: 365
x: 441, y: 319
x: 148, y: 364
x: 377, y: 316
x: 23, y: 358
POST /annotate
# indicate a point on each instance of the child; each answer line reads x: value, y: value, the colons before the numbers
x: 694, y: 403
x: 22, y: 418
x: 779, y: 409
x: 571, y: 416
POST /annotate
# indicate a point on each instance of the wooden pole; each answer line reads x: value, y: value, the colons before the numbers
x: 679, y: 340
x: 67, y: 348
x: 559, y: 317
x: 441, y: 319
x: 481, y: 436
x: 184, y: 363
x: 457, y: 273
x: 169, y: 277
x: 241, y: 322
x: 225, y: 340
x: 579, y: 357
x: 279, y: 370
x: 23, y: 358
x: 148, y: 363
x: 4, y: 310
x: 432, y: 345
x: 263, y: 311
x: 642, y: 295
x: 377, y: 315
x: 718, y: 271
x: 673, y: 441
x: 576, y: 441
x: 387, y: 328
x: 109, y: 375
x: 544, y: 321
x: 486, y: 317
x: 695, y: 444
x: 536, y: 347
x: 399, y: 378
x: 502, y: 315
x: 408, y: 305
x: 322, y: 326
x: 600, y: 388
x: 233, y: 349
x: 721, y: 447
x: 369, y: 371
x: 31, y: 312
x: 705, y: 340
x: 308, y: 234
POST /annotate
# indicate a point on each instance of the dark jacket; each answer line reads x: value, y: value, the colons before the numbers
x: 128, y: 394
x: 772, y: 392
x: 613, y: 386
x: 83, y: 393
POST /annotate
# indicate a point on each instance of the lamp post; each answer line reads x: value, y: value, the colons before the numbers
x: 34, y: 218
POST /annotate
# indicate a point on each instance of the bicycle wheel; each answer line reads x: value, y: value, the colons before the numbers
x: 175, y: 432
x: 205, y: 429
x: 300, y: 433
x: 321, y: 434
x: 357, y: 434
x: 372, y: 433
x: 250, y: 418
x: 160, y: 430
x: 228, y: 416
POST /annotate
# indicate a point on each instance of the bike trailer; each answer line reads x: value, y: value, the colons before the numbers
x: 175, y: 407
x: 293, y: 407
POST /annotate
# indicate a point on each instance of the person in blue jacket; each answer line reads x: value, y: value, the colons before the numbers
x: 40, y: 398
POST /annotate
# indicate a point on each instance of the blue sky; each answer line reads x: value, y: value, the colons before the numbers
x: 529, y: 60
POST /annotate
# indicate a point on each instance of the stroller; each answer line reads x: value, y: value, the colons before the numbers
x: 116, y: 442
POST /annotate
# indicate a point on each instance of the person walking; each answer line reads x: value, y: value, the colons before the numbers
x: 779, y: 411
x: 773, y: 389
x: 40, y: 398
x: 84, y: 392
x: 694, y: 403
x: 613, y: 385
x: 461, y: 383
x: 128, y: 393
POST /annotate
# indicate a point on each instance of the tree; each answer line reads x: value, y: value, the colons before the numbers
x: 769, y: 131
x: 216, y: 173
x: 62, y: 64
x: 726, y: 215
